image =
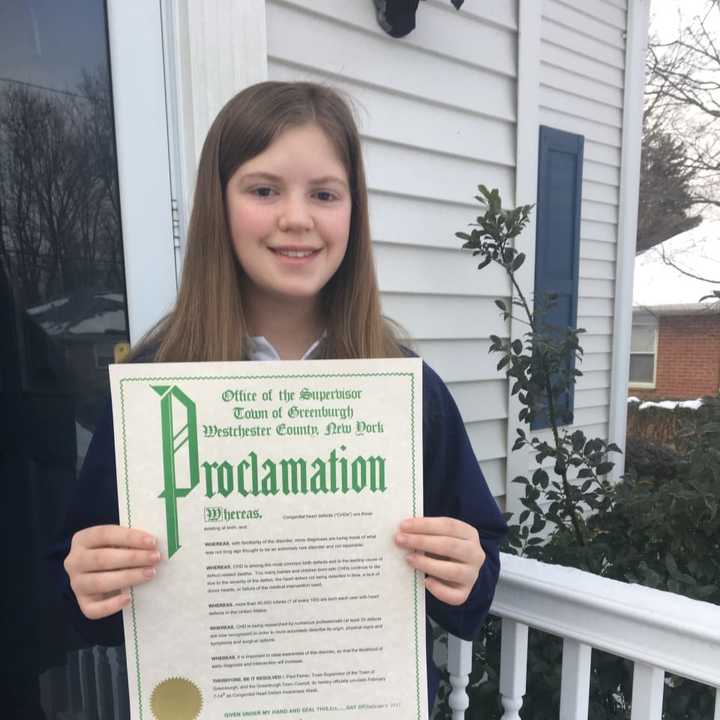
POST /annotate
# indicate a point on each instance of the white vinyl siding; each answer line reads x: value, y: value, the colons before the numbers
x: 581, y: 91
x: 437, y: 115
x: 436, y: 112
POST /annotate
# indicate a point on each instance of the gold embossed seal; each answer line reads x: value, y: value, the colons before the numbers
x: 176, y: 699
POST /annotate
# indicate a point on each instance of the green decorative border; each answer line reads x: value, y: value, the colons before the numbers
x: 195, y: 378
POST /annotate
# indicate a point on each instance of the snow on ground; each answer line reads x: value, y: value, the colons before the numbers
x: 48, y: 306
x: 112, y: 321
x: 668, y: 404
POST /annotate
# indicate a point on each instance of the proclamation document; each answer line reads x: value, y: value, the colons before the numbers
x: 275, y: 490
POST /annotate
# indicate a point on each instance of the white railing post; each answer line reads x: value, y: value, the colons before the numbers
x: 660, y: 632
x: 575, y: 680
x: 513, y: 667
x: 647, y: 692
x: 459, y: 668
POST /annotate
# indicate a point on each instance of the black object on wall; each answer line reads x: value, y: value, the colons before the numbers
x: 397, y: 17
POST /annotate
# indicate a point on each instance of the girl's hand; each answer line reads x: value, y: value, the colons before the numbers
x: 448, y: 551
x: 104, y: 562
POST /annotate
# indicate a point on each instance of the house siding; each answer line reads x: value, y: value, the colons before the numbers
x: 437, y: 116
x: 582, y: 75
x: 436, y: 112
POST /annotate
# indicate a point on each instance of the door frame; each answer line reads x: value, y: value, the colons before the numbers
x: 143, y: 161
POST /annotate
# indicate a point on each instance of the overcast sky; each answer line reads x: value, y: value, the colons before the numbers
x: 666, y: 16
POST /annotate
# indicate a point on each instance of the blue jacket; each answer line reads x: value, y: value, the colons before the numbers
x: 454, y: 486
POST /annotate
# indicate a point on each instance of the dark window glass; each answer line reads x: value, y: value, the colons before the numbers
x: 63, y: 319
x: 642, y: 369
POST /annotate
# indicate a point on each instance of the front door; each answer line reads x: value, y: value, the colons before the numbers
x: 87, y: 263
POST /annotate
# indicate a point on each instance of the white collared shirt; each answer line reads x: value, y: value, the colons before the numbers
x: 261, y: 349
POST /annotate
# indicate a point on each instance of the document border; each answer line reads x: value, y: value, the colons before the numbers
x: 277, y: 376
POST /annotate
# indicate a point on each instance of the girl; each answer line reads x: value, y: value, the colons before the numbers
x: 279, y: 266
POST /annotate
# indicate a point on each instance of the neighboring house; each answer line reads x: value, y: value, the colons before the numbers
x: 675, y: 350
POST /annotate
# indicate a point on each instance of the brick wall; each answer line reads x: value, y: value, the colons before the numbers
x: 688, y: 359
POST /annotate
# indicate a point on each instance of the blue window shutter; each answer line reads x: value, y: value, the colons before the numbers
x: 557, y: 247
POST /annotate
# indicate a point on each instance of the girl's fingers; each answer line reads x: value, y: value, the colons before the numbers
x: 94, y: 609
x: 446, y: 570
x: 449, y: 594
x: 463, y: 551
x: 437, y: 545
x: 102, y: 583
x: 105, y: 559
x: 450, y: 527
x: 105, y: 536
x: 448, y: 551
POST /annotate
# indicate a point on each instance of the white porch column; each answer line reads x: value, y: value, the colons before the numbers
x: 636, y: 49
x: 526, y: 172
x: 215, y: 49
x: 138, y: 84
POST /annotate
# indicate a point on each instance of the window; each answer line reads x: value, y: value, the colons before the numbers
x: 557, y: 247
x: 60, y: 238
x: 643, y: 353
x: 104, y: 355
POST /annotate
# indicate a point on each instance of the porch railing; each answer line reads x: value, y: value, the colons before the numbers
x: 658, y: 631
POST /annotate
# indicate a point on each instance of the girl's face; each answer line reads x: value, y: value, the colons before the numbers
x: 288, y: 210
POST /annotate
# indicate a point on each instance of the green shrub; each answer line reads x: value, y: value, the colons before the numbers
x: 659, y: 527
x: 649, y: 459
x: 662, y: 532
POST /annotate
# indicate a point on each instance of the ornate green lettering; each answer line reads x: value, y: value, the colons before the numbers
x: 171, y: 397
x: 289, y: 476
x: 292, y: 471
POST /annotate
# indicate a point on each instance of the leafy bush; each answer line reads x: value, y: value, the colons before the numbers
x: 648, y: 459
x: 662, y: 531
x: 660, y: 425
x: 659, y: 527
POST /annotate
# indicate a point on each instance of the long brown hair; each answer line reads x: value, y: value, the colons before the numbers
x: 208, y: 321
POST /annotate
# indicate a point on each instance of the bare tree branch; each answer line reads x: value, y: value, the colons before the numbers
x: 683, y: 106
x: 668, y: 261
